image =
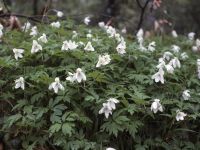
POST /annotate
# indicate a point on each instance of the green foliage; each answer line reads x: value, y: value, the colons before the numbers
x: 71, y: 119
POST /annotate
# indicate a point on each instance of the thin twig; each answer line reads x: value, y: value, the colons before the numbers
x: 6, y: 6
x: 139, y: 4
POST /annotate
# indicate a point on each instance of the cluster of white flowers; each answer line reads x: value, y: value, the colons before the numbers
x: 156, y: 106
x: 78, y: 76
x: 167, y: 63
x: 112, y: 33
x: 108, y: 107
x: 140, y: 39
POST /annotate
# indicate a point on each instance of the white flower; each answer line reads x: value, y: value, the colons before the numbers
x: 56, y: 85
x: 175, y: 48
x: 184, y: 56
x: 89, y: 35
x: 161, y: 63
x: 19, y: 83
x: 124, y: 30
x: 80, y: 75
x: 55, y: 24
x: 111, y: 31
x: 175, y: 62
x: 26, y: 26
x: 81, y: 43
x: 180, y: 115
x: 111, y: 102
x: 121, y: 48
x: 186, y: 95
x: 71, y: 77
x: 18, y: 53
x: 156, y: 106
x: 87, y: 20
x: 89, y: 47
x: 151, y: 46
x: 198, y: 74
x: 101, y: 24
x: 198, y: 67
x: 198, y: 62
x: 174, y: 34
x: 110, y: 148
x: 106, y: 109
x: 118, y: 37
x: 167, y: 55
x: 142, y: 48
x: 159, y: 76
x: 1, y: 33
x: 34, y: 31
x: 191, y: 36
x: 75, y: 34
x: 140, y: 35
x: 169, y: 68
x: 194, y: 48
x: 69, y: 45
x: 43, y: 38
x: 59, y: 14
x: 36, y: 47
x: 1, y: 26
x: 197, y: 42
x: 103, y: 60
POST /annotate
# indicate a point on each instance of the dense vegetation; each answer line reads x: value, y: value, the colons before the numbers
x: 72, y: 118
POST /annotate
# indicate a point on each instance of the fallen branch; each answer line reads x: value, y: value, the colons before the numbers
x: 33, y: 18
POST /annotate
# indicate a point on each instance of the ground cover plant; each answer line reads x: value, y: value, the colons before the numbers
x: 71, y: 87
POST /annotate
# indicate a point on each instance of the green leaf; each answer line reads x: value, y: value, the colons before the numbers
x: 67, y: 128
x: 55, y: 128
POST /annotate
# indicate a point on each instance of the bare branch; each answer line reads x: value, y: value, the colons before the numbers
x: 33, y: 18
x: 143, y: 8
x: 6, y: 6
x: 139, y: 4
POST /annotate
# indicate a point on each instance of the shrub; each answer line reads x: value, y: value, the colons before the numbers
x: 70, y: 119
